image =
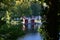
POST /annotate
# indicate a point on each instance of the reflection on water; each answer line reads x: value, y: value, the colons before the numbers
x: 31, y: 36
x: 32, y: 33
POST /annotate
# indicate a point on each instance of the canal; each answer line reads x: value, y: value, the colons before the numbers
x: 31, y: 36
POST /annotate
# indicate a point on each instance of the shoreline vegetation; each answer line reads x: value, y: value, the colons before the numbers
x: 49, y: 10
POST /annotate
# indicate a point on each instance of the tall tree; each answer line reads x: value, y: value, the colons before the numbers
x: 5, y: 5
x: 52, y: 27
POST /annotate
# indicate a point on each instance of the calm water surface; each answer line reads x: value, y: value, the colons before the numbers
x: 31, y: 36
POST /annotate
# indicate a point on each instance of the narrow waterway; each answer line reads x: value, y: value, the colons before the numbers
x: 32, y: 33
x: 31, y: 36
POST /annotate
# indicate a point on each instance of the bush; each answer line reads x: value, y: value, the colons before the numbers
x: 12, y: 32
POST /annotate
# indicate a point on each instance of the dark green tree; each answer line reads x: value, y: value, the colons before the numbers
x: 52, y: 17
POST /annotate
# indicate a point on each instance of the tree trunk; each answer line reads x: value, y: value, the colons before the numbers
x: 52, y: 27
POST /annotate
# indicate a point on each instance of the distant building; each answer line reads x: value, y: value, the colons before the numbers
x: 35, y: 18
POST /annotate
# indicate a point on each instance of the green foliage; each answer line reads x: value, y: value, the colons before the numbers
x: 24, y: 8
x: 12, y: 32
x: 6, y: 5
x: 36, y: 8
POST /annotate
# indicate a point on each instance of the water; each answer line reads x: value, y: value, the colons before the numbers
x: 31, y: 36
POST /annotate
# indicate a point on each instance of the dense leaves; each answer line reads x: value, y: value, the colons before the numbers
x: 12, y: 32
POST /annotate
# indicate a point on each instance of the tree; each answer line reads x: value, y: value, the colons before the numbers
x: 52, y: 27
x: 36, y: 8
x: 24, y: 9
x: 5, y: 5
